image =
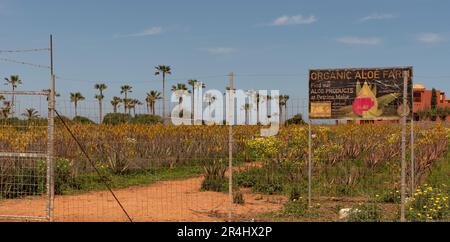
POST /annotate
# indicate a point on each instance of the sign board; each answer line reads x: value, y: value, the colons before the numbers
x: 358, y: 94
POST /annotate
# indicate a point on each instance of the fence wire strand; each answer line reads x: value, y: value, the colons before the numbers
x: 103, y: 178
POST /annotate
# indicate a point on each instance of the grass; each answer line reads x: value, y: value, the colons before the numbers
x: 92, y: 182
x: 439, y: 176
x: 440, y: 172
x: 314, y: 214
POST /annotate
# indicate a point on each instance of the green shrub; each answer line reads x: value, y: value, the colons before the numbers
x: 429, y: 204
x: 295, y: 192
x: 146, y: 119
x: 118, y: 163
x: 365, y: 213
x: 248, y: 178
x: 116, y: 119
x: 238, y: 197
x: 63, y: 174
x: 64, y: 118
x: 296, y: 207
x: 24, y: 122
x: 215, y: 179
x: 83, y: 120
x: 261, y: 180
x: 31, y: 180
x: 21, y: 180
x: 296, y: 120
x: 390, y: 196
x: 268, y: 186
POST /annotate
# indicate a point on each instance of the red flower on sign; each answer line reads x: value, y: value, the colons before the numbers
x: 362, y: 104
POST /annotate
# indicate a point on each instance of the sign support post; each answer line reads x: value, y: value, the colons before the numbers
x: 403, y: 172
x: 310, y: 164
x: 413, y: 163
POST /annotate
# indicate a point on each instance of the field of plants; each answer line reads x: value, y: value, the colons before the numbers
x: 355, y: 166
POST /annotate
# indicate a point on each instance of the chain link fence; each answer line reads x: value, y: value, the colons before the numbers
x: 161, y: 172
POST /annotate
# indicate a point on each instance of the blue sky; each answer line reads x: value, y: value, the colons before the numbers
x: 268, y: 44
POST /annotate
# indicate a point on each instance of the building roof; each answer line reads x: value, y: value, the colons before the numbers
x: 419, y: 87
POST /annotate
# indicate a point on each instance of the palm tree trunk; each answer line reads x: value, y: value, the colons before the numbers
x: 180, y: 100
x: 76, y: 106
x: 12, y: 102
x: 257, y: 111
x: 115, y: 108
x: 247, y: 121
x: 153, y: 108
x: 193, y: 103
x: 209, y: 107
x: 125, y: 103
x: 281, y: 114
x: 164, y: 97
x: 148, y: 108
x: 101, y: 111
x: 285, y: 113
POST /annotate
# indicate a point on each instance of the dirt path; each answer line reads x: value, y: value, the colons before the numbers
x: 162, y: 201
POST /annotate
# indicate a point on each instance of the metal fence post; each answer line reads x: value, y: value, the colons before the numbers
x: 413, y: 165
x: 50, y: 145
x: 230, y: 145
x: 310, y: 164
x: 403, y: 165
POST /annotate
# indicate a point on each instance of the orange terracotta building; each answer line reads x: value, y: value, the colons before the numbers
x: 422, y: 100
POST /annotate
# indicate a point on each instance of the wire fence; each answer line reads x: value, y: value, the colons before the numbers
x: 24, y: 176
x: 154, y: 172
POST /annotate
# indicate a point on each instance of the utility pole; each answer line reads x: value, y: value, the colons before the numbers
x: 51, y: 130
x: 230, y: 144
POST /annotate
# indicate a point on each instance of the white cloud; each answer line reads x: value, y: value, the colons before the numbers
x: 377, y: 16
x: 352, y: 40
x: 147, y: 32
x: 430, y: 38
x: 220, y: 50
x: 293, y: 20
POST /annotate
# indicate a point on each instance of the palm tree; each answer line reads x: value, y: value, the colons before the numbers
x: 115, y: 102
x: 194, y: 84
x: 2, y: 98
x: 268, y: 99
x: 210, y: 99
x: 5, y: 111
x: 14, y: 81
x: 247, y: 107
x: 125, y: 90
x: 30, y: 113
x: 283, y: 104
x: 75, y: 98
x: 100, y: 87
x: 132, y: 105
x: 163, y: 70
x: 136, y: 103
x: 151, y: 99
x: 179, y: 87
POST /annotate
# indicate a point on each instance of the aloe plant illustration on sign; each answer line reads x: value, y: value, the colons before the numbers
x: 366, y: 104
